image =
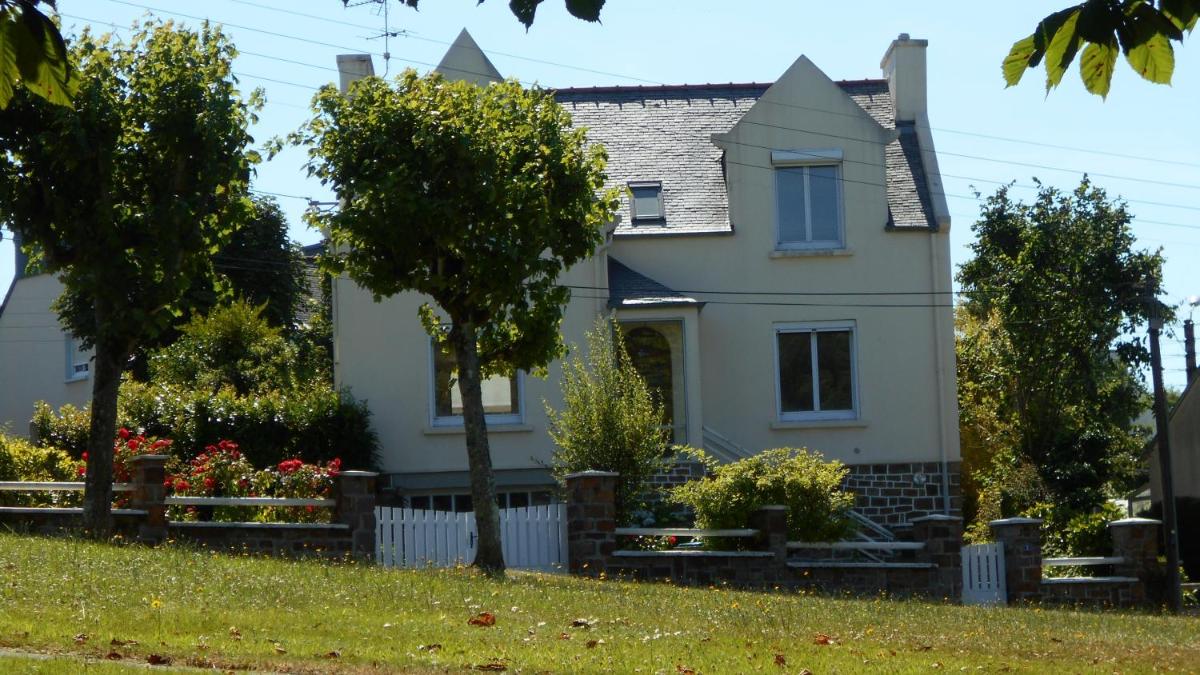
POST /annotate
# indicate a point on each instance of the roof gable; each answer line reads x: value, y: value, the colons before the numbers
x: 464, y: 60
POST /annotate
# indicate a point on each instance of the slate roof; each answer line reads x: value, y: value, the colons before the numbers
x: 663, y: 133
x: 627, y: 288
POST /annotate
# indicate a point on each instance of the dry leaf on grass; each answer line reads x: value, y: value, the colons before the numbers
x: 158, y: 660
x: 591, y: 644
x: 581, y: 623
x: 684, y: 670
x: 332, y: 655
x: 280, y: 650
x: 823, y: 639
x: 81, y: 638
x: 113, y: 656
x: 122, y: 643
x: 805, y: 671
x: 483, y: 619
x: 431, y: 648
x: 234, y: 633
x: 494, y: 666
x: 780, y: 660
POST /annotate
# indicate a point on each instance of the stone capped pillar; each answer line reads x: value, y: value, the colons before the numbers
x: 149, y: 495
x: 772, y: 525
x: 355, y: 495
x: 1022, y: 540
x: 1136, y: 540
x: 942, y: 536
x: 591, y: 521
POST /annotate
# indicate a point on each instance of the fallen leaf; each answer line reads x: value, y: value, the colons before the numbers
x: 429, y: 648
x: 805, y: 671
x: 332, y: 655
x: 1054, y: 639
x: 234, y: 633
x: 564, y: 636
x: 484, y: 619
x: 158, y: 660
x: 823, y: 639
x: 280, y: 650
x: 684, y: 670
x: 494, y: 666
x: 780, y: 660
x: 581, y: 623
x: 113, y: 656
x: 924, y: 648
x: 936, y: 665
x: 81, y: 638
x: 122, y: 643
x: 591, y: 644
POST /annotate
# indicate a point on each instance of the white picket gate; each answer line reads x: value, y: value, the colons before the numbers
x: 532, y: 537
x: 983, y: 574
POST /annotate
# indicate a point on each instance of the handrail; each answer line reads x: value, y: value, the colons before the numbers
x: 871, y: 525
x: 248, y: 501
x: 858, y: 545
x: 682, y: 532
x: 54, y: 486
x: 1082, y: 562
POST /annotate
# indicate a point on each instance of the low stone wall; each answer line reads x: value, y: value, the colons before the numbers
x: 1136, y: 580
x: 351, y: 532
x: 593, y: 551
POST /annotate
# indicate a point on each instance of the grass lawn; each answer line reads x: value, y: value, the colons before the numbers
x: 71, y: 599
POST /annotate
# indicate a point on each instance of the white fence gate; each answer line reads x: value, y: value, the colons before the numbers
x: 532, y: 538
x: 983, y: 574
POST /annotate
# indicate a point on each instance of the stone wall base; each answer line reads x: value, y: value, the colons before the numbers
x: 895, y: 494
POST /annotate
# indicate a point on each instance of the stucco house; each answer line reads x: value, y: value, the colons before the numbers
x: 781, y: 268
x: 39, y: 360
x: 1184, y: 429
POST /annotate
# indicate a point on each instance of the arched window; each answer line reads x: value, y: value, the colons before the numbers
x: 658, y: 359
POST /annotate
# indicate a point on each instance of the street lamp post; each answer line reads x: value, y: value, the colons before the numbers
x: 1174, y: 596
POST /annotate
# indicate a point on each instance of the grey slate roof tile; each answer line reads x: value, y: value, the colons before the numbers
x: 627, y: 288
x: 663, y: 133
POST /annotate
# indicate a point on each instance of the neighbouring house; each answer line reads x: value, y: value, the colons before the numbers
x: 39, y: 359
x: 1184, y: 432
x: 781, y: 268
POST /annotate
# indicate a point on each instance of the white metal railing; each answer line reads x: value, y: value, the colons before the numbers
x: 868, y: 524
x: 1082, y: 562
x: 47, y: 486
x: 858, y: 545
x: 248, y: 501
x: 682, y: 532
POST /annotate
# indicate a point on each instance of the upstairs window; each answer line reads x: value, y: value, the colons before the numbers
x: 808, y: 199
x: 816, y: 372
x: 79, y: 360
x: 501, y: 395
x: 646, y: 202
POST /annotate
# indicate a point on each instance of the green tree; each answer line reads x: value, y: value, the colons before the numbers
x: 611, y: 420
x: 262, y: 266
x: 1140, y: 29
x: 128, y: 195
x: 33, y: 55
x: 524, y: 10
x: 475, y: 197
x: 1059, y: 291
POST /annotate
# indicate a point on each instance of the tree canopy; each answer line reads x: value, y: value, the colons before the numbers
x: 1048, y: 345
x: 33, y: 55
x: 1142, y: 30
x: 524, y: 10
x: 477, y: 197
x: 128, y: 195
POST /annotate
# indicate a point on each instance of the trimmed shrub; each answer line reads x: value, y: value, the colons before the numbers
x: 24, y: 461
x: 803, y: 481
x: 610, y: 420
x: 1074, y: 534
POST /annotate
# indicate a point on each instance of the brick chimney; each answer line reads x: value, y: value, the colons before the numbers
x: 904, y: 67
x: 353, y: 67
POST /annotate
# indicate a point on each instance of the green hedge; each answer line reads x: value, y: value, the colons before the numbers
x: 315, y: 424
x: 24, y: 461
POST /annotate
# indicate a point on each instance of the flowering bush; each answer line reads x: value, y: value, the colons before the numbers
x: 293, y: 478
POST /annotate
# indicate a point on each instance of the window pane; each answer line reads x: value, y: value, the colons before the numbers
x: 463, y: 503
x: 795, y: 372
x: 823, y: 195
x: 517, y: 500
x: 789, y: 185
x: 442, y: 503
x: 833, y: 363
x: 421, y: 502
x: 656, y: 350
x: 646, y: 203
x: 499, y: 393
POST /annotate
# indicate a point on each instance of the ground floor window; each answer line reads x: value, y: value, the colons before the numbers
x: 816, y: 371
x: 461, y: 501
x: 501, y: 394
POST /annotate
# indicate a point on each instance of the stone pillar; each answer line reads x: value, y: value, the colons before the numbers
x: 772, y: 525
x: 942, y: 536
x: 1022, y: 540
x: 591, y: 521
x: 1136, y: 540
x: 149, y: 495
x: 355, y: 495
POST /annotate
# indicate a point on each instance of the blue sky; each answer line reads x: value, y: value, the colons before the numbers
x: 1143, y: 139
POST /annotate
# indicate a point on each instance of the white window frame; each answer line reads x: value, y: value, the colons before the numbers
x: 790, y: 159
x: 812, y: 328
x: 498, y: 419
x: 634, y: 218
x: 72, y: 371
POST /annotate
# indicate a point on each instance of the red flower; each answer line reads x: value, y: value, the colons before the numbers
x: 85, y: 455
x: 181, y: 485
x: 133, y: 443
x: 82, y: 470
x: 209, y: 483
x: 671, y: 540
x: 160, y: 444
x: 289, y: 466
x: 124, y: 433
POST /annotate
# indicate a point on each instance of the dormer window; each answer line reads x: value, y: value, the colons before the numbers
x: 808, y: 198
x: 646, y: 202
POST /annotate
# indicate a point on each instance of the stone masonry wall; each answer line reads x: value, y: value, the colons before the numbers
x: 895, y: 494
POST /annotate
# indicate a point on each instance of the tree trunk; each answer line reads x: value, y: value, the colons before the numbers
x: 97, y: 495
x: 489, y: 556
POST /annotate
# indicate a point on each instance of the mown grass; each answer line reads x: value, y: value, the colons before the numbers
x: 73, y: 598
